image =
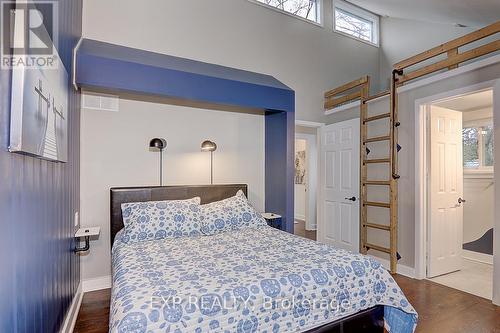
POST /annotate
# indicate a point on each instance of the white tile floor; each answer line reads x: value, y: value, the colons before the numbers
x: 475, y: 278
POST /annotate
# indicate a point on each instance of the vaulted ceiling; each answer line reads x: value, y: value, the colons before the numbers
x: 472, y: 13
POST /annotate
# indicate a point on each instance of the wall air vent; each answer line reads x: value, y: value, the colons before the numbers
x: 101, y: 102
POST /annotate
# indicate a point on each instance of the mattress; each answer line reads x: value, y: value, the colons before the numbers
x: 249, y: 280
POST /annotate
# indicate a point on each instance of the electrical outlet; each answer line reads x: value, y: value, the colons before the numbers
x: 77, y: 219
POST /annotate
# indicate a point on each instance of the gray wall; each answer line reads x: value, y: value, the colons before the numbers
x: 310, y: 59
x: 402, y: 38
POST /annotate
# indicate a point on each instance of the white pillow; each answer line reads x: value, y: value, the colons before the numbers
x: 161, y: 219
x: 229, y: 214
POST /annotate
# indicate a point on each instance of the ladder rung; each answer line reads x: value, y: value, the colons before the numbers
x: 378, y: 138
x: 378, y: 160
x: 377, y: 117
x: 377, y: 182
x: 378, y: 248
x: 377, y: 204
x: 378, y: 226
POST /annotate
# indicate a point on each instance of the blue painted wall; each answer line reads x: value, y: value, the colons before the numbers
x: 118, y: 68
x: 280, y: 167
x: 39, y: 273
x: 109, y: 66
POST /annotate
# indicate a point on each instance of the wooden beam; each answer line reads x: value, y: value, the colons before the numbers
x: 380, y: 94
x: 378, y: 226
x: 377, y: 204
x: 346, y: 87
x: 331, y: 103
x: 378, y: 248
x: 378, y: 160
x: 456, y: 43
x: 377, y: 117
x: 451, y: 53
x: 468, y: 55
x: 378, y: 138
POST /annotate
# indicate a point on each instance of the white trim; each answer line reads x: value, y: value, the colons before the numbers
x: 402, y: 269
x: 103, y: 282
x: 496, y: 224
x: 72, y: 314
x: 305, y: 123
x: 421, y: 107
x: 420, y: 189
x: 73, y: 64
x: 479, y: 257
x: 343, y: 107
x: 479, y: 174
x: 319, y: 12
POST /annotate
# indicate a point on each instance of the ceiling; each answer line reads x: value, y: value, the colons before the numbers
x: 472, y: 13
x: 471, y: 102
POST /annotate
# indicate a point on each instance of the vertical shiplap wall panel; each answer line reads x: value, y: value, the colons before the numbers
x: 39, y: 273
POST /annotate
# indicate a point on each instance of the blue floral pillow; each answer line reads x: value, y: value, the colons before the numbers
x: 161, y: 219
x: 229, y: 214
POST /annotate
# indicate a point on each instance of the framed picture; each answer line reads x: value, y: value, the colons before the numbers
x: 300, y: 167
x: 39, y: 111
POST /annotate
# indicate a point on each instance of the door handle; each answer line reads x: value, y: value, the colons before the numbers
x: 351, y: 199
x: 460, y: 201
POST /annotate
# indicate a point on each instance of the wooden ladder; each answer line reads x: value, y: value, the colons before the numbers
x: 392, y: 175
x: 361, y: 92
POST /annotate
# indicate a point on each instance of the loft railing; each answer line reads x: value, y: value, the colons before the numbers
x: 454, y: 56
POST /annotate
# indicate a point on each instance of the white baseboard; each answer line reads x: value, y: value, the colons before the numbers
x: 402, y: 269
x: 102, y: 282
x: 300, y: 217
x: 479, y: 257
x: 72, y: 314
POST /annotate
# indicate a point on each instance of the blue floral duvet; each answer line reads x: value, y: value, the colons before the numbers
x: 249, y: 280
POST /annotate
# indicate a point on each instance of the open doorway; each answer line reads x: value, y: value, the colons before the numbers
x: 306, y: 179
x: 460, y: 192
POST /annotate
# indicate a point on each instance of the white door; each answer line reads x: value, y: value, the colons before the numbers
x: 496, y: 227
x: 446, y: 191
x: 339, y: 185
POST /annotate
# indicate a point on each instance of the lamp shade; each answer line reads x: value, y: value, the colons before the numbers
x: 208, y: 145
x: 158, y: 143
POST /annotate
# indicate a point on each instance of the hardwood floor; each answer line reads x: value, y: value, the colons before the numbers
x: 94, y: 312
x: 299, y: 229
x: 445, y: 310
x: 441, y: 309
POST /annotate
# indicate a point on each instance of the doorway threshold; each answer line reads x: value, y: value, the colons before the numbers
x: 474, y: 278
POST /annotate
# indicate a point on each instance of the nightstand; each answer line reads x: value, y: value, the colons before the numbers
x: 273, y: 220
x: 86, y: 232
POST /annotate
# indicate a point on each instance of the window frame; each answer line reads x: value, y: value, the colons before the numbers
x: 479, y: 124
x: 358, y: 13
x: 319, y: 10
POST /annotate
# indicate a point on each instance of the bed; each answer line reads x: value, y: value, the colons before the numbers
x: 250, y: 280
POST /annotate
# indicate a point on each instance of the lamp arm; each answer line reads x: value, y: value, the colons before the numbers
x: 211, y: 167
x: 161, y: 167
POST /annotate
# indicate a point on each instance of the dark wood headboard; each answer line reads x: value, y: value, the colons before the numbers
x: 207, y: 193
